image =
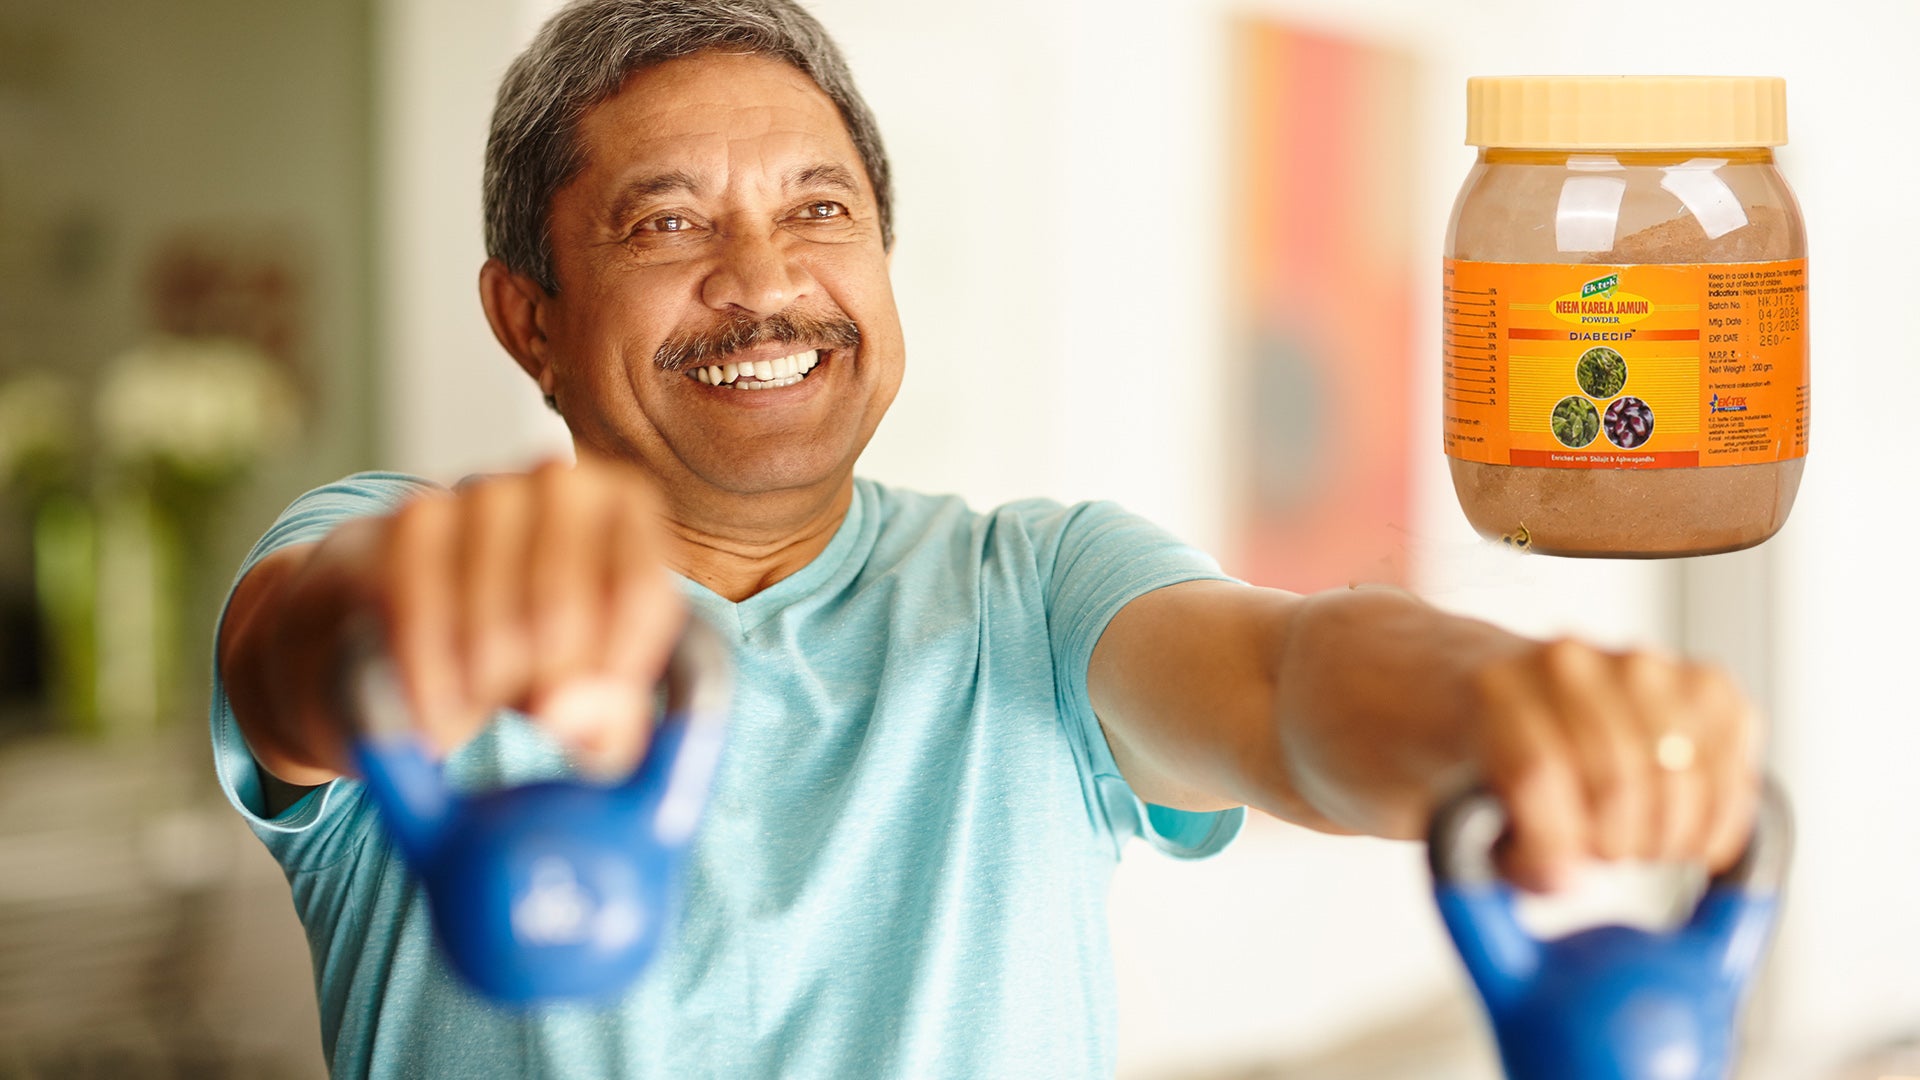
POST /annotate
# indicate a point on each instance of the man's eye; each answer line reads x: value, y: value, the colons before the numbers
x: 822, y: 211
x: 666, y: 223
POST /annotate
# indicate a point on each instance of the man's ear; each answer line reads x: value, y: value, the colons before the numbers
x: 516, y: 309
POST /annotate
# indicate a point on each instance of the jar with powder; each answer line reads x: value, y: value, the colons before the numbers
x: 1625, y: 325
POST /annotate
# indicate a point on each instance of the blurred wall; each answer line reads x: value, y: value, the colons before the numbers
x: 452, y: 401
x: 1060, y: 172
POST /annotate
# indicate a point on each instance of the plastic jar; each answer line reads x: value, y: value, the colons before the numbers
x: 1625, y: 332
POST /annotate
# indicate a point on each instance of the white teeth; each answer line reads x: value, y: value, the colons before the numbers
x: 760, y: 374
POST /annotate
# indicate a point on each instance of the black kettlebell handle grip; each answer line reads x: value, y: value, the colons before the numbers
x: 1465, y: 829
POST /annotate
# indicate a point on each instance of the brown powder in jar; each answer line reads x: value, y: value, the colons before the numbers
x: 1629, y: 513
x: 1645, y: 513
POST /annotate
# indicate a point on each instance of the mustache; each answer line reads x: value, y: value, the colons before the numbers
x: 712, y: 345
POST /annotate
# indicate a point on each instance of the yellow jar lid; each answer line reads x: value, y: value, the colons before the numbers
x: 1626, y: 112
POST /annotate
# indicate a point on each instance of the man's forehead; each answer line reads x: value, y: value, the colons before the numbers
x: 681, y: 122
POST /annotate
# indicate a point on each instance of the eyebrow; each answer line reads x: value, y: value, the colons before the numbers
x: 636, y: 192
x: 825, y: 174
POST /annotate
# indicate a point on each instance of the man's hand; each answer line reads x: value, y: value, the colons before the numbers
x: 543, y: 592
x: 1629, y: 755
x: 1358, y: 711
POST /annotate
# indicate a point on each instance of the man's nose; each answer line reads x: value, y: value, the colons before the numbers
x: 755, y: 273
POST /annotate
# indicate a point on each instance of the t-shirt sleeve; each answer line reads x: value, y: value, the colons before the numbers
x: 1102, y: 558
x: 323, y: 825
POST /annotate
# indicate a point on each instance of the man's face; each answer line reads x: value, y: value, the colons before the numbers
x: 723, y: 219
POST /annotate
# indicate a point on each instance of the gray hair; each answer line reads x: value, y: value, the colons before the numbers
x: 581, y: 57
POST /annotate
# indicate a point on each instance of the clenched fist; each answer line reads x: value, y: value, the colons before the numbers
x: 544, y: 592
x: 1616, y: 755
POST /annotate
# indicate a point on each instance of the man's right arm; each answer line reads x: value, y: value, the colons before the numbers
x: 242, y: 653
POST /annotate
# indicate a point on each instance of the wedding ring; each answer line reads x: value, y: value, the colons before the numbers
x: 1674, y: 752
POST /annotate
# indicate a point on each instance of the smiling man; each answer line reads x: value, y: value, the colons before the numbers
x: 947, y: 722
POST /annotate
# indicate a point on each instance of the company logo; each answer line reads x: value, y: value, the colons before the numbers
x: 1729, y: 403
x: 1602, y: 287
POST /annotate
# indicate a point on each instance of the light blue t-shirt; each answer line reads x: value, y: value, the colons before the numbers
x: 904, y: 868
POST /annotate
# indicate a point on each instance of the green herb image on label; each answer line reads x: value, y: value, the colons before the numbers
x: 1601, y: 372
x: 1575, y: 422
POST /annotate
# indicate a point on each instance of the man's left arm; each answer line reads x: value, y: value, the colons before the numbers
x: 1355, y: 711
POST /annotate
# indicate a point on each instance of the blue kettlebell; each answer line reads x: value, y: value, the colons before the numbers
x: 555, y: 891
x: 1612, y: 1002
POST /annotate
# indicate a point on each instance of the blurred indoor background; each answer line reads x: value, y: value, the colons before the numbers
x: 1180, y: 254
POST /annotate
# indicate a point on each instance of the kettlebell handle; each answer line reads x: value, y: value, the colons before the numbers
x: 676, y: 775
x: 671, y: 782
x: 1730, y: 921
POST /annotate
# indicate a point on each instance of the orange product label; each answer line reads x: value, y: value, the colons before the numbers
x: 1580, y: 366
